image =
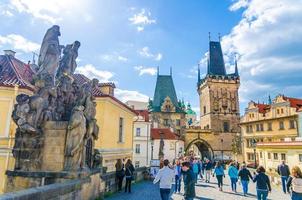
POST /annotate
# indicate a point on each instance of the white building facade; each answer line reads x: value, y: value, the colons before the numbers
x: 141, y: 139
x: 173, y: 147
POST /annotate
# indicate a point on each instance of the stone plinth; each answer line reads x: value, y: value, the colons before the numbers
x: 54, y: 145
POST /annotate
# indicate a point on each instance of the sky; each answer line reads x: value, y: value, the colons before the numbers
x: 125, y: 41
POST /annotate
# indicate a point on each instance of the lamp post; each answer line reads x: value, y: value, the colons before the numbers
x: 221, y: 149
x: 254, y: 144
x: 152, y: 144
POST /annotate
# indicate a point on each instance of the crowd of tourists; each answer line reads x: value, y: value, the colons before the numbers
x: 190, y: 169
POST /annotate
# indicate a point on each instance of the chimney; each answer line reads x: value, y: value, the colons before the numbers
x: 9, y: 53
x: 107, y: 88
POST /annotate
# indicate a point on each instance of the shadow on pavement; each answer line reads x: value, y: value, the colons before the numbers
x: 203, y: 198
x: 204, y: 186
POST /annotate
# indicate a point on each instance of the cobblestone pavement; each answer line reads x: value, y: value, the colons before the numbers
x: 204, y: 191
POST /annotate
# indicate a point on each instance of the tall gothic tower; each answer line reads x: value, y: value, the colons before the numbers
x: 218, y: 94
x: 166, y: 110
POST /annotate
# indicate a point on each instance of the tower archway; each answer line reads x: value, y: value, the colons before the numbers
x: 201, y: 148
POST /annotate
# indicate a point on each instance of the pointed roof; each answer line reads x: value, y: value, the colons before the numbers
x: 189, y: 110
x: 215, y: 62
x: 15, y: 72
x: 164, y: 87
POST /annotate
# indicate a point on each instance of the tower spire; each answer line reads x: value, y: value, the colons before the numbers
x: 269, y: 99
x: 236, y: 68
x: 157, y: 70
x: 171, y: 71
x: 209, y: 36
x: 219, y: 37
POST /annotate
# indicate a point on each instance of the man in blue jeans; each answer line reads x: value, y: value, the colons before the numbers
x: 283, y: 171
x: 165, y: 176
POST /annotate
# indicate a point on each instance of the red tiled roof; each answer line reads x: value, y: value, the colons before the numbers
x: 263, y: 108
x: 294, y: 102
x: 167, y: 134
x: 81, y: 79
x: 144, y: 114
x: 15, y: 72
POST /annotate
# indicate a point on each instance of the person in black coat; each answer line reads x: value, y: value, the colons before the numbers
x: 283, y: 171
x: 189, y: 181
x: 263, y: 185
x: 245, y: 175
x: 129, y: 172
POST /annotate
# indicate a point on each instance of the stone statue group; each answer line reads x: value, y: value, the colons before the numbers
x: 57, y: 97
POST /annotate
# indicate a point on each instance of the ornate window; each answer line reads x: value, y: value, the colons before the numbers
x: 226, y: 127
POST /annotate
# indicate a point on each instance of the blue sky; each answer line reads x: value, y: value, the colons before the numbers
x: 125, y: 41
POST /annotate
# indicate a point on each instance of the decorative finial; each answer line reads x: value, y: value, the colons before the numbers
x: 209, y: 36
x: 236, y: 67
x: 269, y: 99
x: 171, y: 71
x: 219, y: 37
x: 157, y: 70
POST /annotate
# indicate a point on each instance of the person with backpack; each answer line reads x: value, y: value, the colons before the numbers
x: 219, y: 171
x: 283, y: 171
x: 120, y: 173
x: 245, y: 175
x: 129, y: 172
x: 294, y: 184
x: 263, y: 185
x: 233, y: 174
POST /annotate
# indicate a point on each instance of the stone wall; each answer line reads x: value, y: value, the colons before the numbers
x: 88, y: 188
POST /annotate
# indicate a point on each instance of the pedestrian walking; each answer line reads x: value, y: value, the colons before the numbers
x: 195, y: 167
x: 120, y: 173
x: 208, y: 169
x: 263, y: 185
x: 189, y: 181
x: 165, y: 176
x: 294, y: 183
x: 283, y: 171
x: 245, y: 176
x: 129, y: 170
x: 219, y: 172
x: 233, y: 174
x: 177, y: 171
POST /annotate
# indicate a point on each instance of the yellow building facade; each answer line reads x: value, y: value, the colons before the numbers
x: 264, y: 125
x: 115, y: 120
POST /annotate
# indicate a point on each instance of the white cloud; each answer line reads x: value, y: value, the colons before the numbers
x: 122, y: 58
x: 128, y: 95
x: 145, y: 52
x: 92, y: 72
x: 18, y: 42
x: 113, y: 57
x: 50, y: 11
x: 142, y: 19
x: 146, y: 70
x: 268, y: 42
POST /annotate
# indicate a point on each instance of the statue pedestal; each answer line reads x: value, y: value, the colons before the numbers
x: 52, y: 163
x: 54, y: 146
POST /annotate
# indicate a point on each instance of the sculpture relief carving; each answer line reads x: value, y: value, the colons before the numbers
x: 67, y: 100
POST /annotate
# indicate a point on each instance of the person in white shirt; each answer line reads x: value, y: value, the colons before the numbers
x: 165, y: 176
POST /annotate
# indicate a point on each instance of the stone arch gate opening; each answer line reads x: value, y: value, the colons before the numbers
x: 200, y: 148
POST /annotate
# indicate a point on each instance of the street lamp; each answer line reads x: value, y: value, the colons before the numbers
x: 221, y: 149
x: 254, y: 145
x: 152, y: 144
